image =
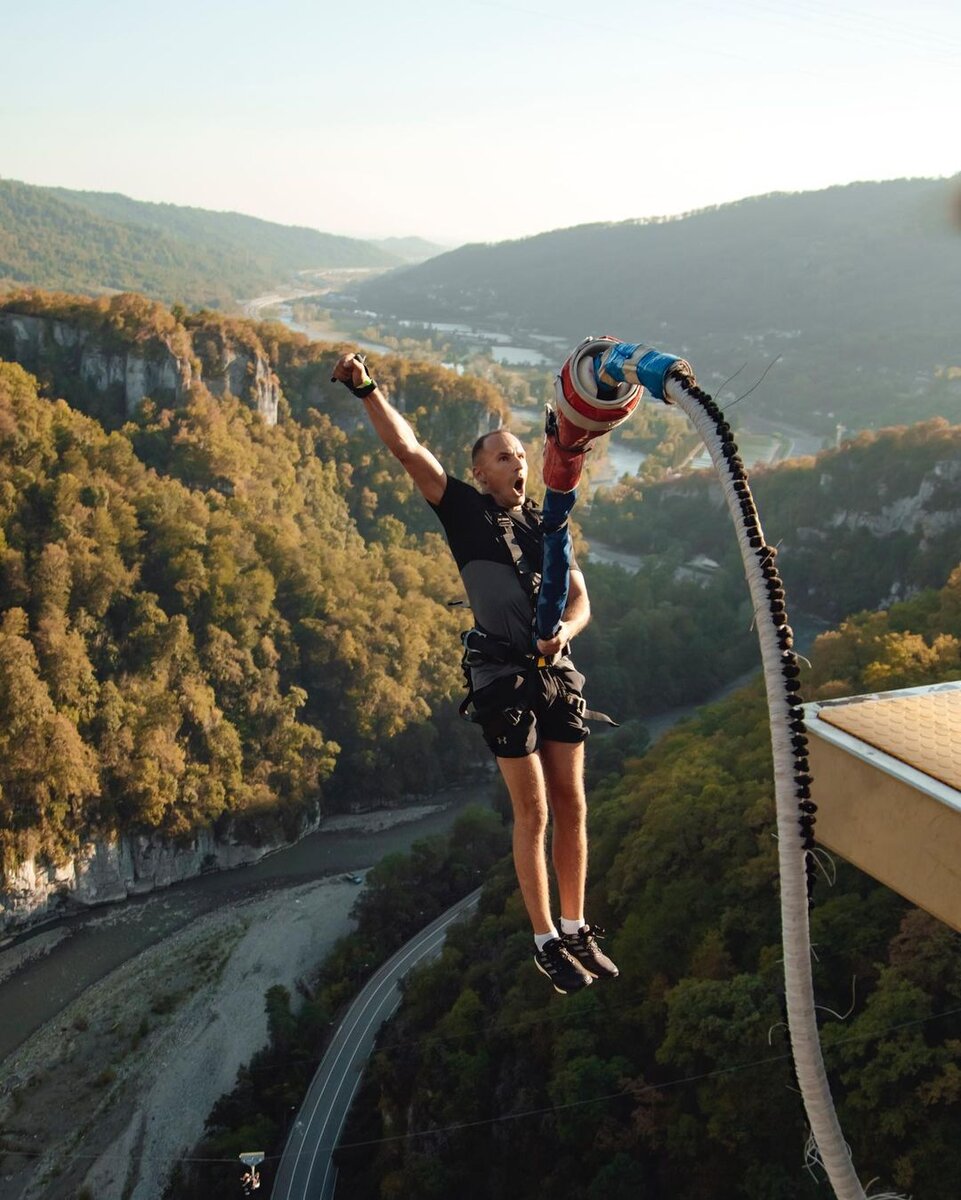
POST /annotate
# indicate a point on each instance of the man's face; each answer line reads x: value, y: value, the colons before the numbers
x: 501, y: 469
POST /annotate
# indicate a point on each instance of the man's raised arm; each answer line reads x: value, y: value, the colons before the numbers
x: 393, y: 429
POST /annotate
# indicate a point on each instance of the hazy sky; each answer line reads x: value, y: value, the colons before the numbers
x: 474, y: 120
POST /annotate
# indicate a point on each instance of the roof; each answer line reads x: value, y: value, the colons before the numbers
x: 918, y: 726
x: 887, y: 782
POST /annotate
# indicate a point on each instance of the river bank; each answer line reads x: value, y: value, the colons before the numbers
x: 112, y: 1087
x: 45, y: 968
x: 109, y: 1094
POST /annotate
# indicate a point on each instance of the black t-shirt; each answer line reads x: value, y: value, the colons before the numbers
x: 501, y: 602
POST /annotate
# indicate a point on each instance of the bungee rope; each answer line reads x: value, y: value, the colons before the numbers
x: 618, y: 373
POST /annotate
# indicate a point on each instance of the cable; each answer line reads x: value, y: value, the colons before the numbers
x: 632, y: 1091
x: 680, y: 1081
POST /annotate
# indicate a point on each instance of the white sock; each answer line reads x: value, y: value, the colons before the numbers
x: 572, y: 926
x: 541, y: 939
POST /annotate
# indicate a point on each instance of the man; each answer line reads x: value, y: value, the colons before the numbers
x: 531, y: 715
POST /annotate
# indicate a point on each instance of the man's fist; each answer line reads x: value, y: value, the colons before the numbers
x: 351, y: 369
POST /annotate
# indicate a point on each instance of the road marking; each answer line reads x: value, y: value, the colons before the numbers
x: 388, y: 974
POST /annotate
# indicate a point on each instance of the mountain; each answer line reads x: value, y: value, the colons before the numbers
x: 410, y: 249
x: 857, y: 289
x: 96, y: 242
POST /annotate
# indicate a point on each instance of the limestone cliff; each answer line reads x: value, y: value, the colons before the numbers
x: 926, y: 511
x: 229, y: 365
x: 135, y: 372
x: 113, y: 869
x: 55, y: 348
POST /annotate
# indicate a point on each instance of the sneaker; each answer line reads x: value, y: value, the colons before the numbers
x: 582, y: 947
x: 564, y: 973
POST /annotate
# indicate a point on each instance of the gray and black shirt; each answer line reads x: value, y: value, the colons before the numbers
x: 500, y: 601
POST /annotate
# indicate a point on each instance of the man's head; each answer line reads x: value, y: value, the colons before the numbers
x: 500, y: 467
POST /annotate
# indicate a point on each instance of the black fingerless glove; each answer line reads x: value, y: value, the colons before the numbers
x: 365, y: 387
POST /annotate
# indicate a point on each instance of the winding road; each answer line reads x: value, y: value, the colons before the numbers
x: 307, y: 1170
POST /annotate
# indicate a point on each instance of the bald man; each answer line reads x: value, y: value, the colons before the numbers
x: 529, y: 705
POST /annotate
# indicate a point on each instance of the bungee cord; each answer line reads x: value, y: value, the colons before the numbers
x: 792, y: 781
x: 604, y: 378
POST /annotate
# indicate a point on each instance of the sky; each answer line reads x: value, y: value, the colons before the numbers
x: 475, y: 120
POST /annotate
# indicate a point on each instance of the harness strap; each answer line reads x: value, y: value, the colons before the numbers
x: 481, y: 647
x: 504, y: 524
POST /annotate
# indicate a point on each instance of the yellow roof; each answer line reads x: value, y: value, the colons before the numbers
x: 922, y: 728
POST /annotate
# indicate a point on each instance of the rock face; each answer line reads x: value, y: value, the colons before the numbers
x: 152, y: 371
x: 928, y: 512
x: 244, y: 373
x: 134, y: 372
x: 113, y: 870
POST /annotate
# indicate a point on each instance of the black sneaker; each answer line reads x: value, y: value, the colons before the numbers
x: 564, y: 973
x: 582, y: 947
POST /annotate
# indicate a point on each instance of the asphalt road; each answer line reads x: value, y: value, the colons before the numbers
x: 306, y: 1170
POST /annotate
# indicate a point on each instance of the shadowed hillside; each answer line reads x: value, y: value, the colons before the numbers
x: 96, y: 242
x: 856, y: 288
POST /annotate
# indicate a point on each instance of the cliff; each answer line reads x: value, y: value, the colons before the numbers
x: 875, y: 519
x: 162, y: 364
x: 38, y: 343
x: 115, y: 868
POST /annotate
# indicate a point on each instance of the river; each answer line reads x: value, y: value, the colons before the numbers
x: 99, y: 939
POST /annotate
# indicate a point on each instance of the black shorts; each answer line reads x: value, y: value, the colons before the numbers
x: 520, y: 711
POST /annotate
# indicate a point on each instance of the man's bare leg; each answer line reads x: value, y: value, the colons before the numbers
x: 564, y: 777
x: 525, y: 783
x: 563, y: 768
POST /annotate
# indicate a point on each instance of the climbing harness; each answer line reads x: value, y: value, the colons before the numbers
x: 481, y: 647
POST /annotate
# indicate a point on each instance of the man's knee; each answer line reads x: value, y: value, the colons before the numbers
x: 530, y: 812
x: 568, y: 803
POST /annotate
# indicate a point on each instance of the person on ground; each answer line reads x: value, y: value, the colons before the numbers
x: 529, y: 706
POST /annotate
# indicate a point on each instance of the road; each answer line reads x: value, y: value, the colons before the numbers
x: 307, y: 1170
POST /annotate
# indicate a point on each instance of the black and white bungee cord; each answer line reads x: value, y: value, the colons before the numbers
x: 792, y: 777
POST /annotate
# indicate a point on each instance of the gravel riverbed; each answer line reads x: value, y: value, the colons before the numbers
x: 112, y: 1091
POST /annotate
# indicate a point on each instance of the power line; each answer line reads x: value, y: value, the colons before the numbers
x: 523, y: 1114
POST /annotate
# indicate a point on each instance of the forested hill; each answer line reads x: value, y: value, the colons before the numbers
x: 410, y: 249
x: 873, y: 521
x: 96, y: 242
x: 289, y: 588
x: 675, y: 1080
x: 209, y: 621
x: 857, y: 288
